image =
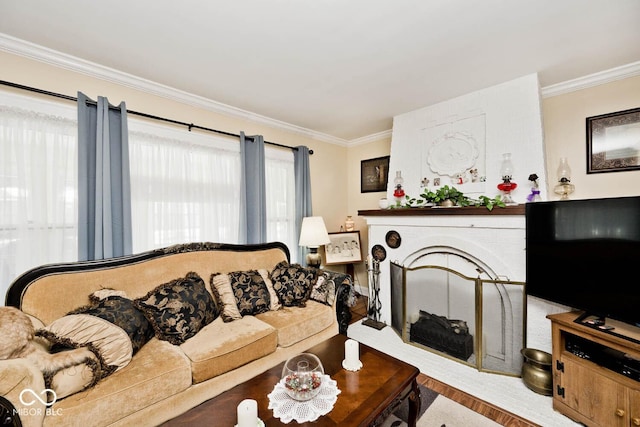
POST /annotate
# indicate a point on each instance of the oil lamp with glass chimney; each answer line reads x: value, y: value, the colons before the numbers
x: 507, y: 185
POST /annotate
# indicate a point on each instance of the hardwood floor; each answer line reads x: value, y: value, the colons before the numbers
x: 359, y: 312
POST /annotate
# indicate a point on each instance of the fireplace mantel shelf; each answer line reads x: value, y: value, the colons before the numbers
x: 467, y: 210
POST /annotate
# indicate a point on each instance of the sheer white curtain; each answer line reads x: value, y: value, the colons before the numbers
x: 38, y: 185
x: 184, y: 187
x: 281, y: 206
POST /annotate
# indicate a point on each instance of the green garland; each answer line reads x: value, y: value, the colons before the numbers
x: 450, y: 193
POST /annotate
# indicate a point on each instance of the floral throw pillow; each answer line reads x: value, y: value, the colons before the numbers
x: 250, y: 291
x: 324, y: 290
x: 293, y: 283
x: 177, y: 310
x: 328, y: 283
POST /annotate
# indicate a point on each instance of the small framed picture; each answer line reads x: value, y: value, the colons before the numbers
x: 343, y: 248
x: 374, y: 174
x: 613, y: 142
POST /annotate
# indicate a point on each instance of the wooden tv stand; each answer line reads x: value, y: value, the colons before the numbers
x: 588, y: 383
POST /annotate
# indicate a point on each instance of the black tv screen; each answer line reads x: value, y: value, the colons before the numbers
x: 585, y: 254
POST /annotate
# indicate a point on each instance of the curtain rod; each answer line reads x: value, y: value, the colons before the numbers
x: 138, y: 113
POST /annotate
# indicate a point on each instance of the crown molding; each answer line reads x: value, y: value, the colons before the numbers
x: 58, y: 59
x: 370, y: 138
x: 42, y: 54
x: 595, y: 79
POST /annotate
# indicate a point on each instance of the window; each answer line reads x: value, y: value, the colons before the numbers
x: 184, y: 186
x: 281, y: 208
x: 38, y: 185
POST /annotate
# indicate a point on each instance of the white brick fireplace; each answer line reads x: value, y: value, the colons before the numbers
x: 498, y: 240
x: 477, y: 244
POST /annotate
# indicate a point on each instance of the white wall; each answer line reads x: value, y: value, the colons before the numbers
x: 501, y: 119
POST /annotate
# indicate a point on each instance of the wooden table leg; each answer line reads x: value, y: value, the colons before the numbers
x: 414, y: 404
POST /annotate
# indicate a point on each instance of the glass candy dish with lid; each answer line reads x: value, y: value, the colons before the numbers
x: 302, y: 376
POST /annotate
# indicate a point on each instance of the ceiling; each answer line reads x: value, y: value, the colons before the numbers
x: 342, y: 68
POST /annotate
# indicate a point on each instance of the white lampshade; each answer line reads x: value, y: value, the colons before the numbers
x: 313, y: 233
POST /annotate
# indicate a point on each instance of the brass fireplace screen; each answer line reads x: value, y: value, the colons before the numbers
x: 477, y: 321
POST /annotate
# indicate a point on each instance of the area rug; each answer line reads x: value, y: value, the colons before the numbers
x: 439, y: 411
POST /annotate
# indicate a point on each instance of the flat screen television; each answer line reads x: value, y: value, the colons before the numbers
x: 585, y: 254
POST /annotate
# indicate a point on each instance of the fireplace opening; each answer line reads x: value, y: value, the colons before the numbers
x: 449, y: 336
x: 447, y: 302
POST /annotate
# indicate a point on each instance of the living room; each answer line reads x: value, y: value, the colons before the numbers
x: 336, y: 161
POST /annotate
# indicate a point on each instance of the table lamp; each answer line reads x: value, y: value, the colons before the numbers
x: 313, y: 235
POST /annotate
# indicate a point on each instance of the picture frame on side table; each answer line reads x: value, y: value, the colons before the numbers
x: 374, y: 174
x: 613, y: 142
x: 343, y: 248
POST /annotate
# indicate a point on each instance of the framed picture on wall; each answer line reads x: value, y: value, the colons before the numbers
x: 343, y: 248
x: 374, y: 174
x: 613, y: 142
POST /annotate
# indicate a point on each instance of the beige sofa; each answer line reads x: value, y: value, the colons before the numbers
x: 163, y: 380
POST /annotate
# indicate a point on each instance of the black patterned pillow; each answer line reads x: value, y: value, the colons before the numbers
x: 293, y: 283
x: 324, y: 290
x: 250, y: 291
x: 123, y: 313
x: 177, y: 310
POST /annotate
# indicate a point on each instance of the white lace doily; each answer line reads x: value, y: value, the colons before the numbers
x: 288, y: 409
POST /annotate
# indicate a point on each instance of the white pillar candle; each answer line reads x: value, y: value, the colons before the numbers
x: 351, y: 352
x: 248, y: 413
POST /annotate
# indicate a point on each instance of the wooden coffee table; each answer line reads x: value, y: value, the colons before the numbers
x: 367, y: 397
